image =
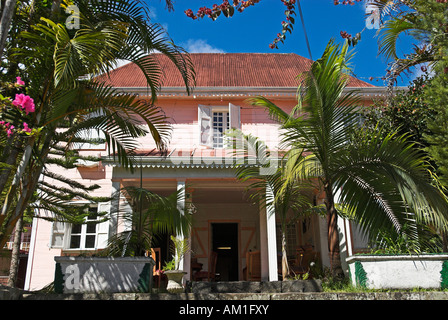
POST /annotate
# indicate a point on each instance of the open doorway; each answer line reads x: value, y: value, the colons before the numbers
x: 225, y: 243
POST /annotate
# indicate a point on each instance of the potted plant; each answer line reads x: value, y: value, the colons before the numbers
x: 172, y: 268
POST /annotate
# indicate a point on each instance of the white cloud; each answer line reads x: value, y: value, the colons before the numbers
x: 419, y: 72
x: 200, y: 46
x: 152, y: 13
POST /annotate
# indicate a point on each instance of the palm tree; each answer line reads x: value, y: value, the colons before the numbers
x: 288, y: 199
x: 423, y: 21
x: 61, y: 69
x: 151, y: 214
x: 382, y: 184
x: 6, y: 14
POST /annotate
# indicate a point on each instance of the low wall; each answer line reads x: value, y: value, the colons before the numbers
x: 428, y: 271
x: 342, y: 296
x: 311, y: 285
x: 99, y: 275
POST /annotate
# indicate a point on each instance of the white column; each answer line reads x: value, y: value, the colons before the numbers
x: 114, y: 207
x: 272, y: 237
x: 264, y: 245
x: 29, y: 265
x: 348, y: 235
x: 185, y: 261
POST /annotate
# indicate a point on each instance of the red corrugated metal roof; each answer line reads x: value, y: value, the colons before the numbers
x: 226, y: 70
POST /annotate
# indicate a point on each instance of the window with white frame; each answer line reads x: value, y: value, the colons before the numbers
x: 220, y: 125
x: 83, y: 236
x: 90, y: 235
x: 214, y: 121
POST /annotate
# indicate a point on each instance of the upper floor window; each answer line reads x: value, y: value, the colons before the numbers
x: 220, y: 125
x: 214, y: 121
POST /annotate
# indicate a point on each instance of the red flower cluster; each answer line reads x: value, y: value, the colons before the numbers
x: 345, y: 35
x: 350, y: 2
x: 225, y: 7
x: 228, y: 9
x: 287, y: 25
x: 442, y: 1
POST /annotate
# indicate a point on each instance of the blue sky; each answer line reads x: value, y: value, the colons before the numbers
x: 255, y: 28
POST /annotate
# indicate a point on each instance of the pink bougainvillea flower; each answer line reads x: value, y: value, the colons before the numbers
x: 18, y: 100
x: 25, y: 102
x: 28, y: 105
x: 20, y: 81
x: 9, y: 132
x: 26, y: 128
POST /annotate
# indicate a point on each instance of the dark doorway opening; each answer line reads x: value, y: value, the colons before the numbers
x: 225, y: 243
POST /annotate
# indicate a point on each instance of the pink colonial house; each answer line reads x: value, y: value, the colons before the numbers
x: 224, y: 220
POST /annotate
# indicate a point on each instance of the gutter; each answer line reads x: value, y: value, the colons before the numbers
x: 235, y: 92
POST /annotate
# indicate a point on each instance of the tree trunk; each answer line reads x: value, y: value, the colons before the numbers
x: 13, y: 190
x: 12, y: 152
x: 29, y: 184
x: 15, y: 255
x: 285, y: 266
x: 7, y: 14
x: 333, y: 234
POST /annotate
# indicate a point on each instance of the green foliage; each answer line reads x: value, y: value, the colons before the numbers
x: 384, y: 181
x: 406, y: 110
x: 436, y: 96
x: 170, y: 265
x: 179, y: 247
x: 269, y: 187
x: 427, y: 241
x: 151, y: 215
x: 62, y: 69
x: 424, y: 21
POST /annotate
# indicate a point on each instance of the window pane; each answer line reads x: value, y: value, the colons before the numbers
x: 90, y: 241
x: 75, y: 242
x: 91, y: 228
x: 57, y: 240
x: 220, y: 123
x: 92, y: 213
x: 76, y: 228
x: 58, y: 226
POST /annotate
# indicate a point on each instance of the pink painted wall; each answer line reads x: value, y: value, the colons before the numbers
x: 41, y: 263
x: 183, y: 116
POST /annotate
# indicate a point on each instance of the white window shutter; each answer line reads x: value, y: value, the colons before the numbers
x: 103, y: 227
x: 234, y: 116
x: 57, y: 235
x: 205, y: 126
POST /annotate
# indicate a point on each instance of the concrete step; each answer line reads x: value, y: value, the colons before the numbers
x: 256, y: 286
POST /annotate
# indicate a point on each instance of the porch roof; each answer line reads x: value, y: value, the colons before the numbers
x: 191, y: 158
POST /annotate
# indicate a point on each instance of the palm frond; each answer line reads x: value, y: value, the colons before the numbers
x: 389, y: 33
x: 389, y: 184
